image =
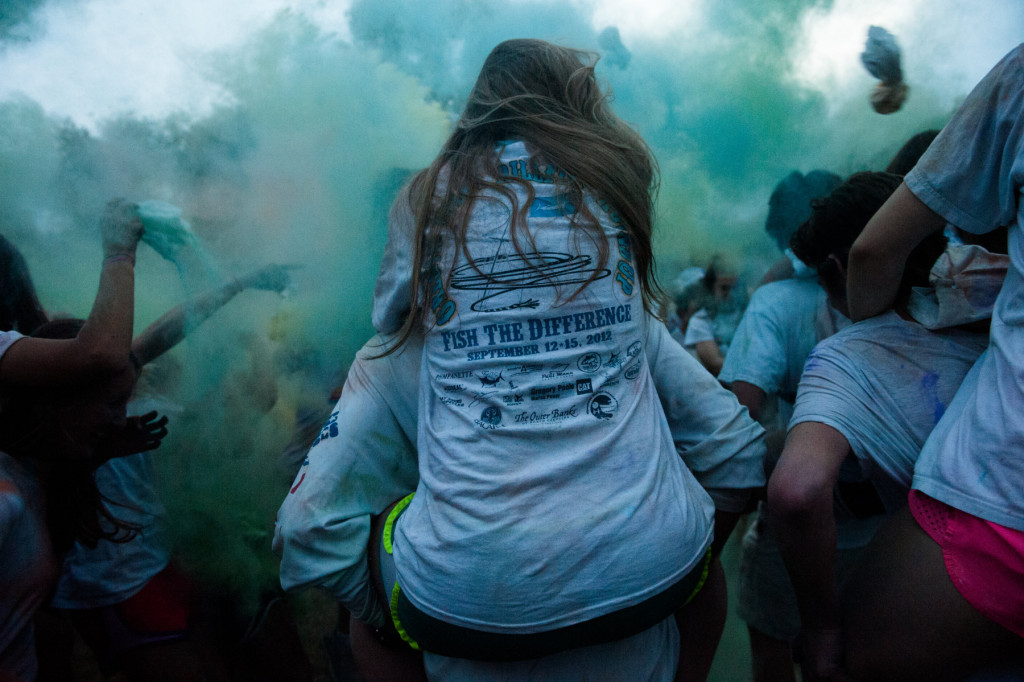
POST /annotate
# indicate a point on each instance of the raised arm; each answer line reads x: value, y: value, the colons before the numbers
x: 167, y: 331
x: 103, y: 343
x: 801, y: 515
x: 878, y: 256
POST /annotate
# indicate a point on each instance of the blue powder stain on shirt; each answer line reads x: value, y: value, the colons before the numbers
x: 930, y: 386
x: 812, y: 364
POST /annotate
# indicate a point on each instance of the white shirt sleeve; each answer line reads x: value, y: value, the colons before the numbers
x: 757, y: 354
x: 718, y: 441
x: 700, y: 328
x: 7, y: 340
x: 392, y: 296
x: 364, y: 460
x: 967, y: 174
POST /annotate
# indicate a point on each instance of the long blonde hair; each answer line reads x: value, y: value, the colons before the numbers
x: 548, y: 97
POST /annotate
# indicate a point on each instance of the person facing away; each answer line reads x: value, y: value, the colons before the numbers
x: 524, y: 255
x: 868, y: 399
x: 955, y: 556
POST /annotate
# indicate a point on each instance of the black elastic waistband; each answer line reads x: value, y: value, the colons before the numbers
x: 445, y: 639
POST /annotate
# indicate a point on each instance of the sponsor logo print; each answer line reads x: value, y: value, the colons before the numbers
x: 329, y: 430
x: 486, y: 380
x: 590, y: 362
x: 584, y: 386
x: 632, y: 372
x: 554, y: 416
x: 490, y: 418
x: 603, y: 405
x: 557, y: 371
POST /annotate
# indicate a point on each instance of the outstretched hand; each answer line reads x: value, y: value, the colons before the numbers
x: 271, y: 277
x: 121, y: 228
x: 140, y: 434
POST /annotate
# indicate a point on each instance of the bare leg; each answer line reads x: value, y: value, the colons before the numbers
x: 55, y: 643
x: 379, y: 662
x: 905, y: 620
x: 701, y: 623
x: 772, y: 658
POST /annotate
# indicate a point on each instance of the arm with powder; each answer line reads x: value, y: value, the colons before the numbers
x: 175, y: 324
x: 878, y: 256
x: 103, y: 343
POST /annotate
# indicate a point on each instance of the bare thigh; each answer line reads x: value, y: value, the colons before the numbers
x: 700, y: 626
x: 905, y: 620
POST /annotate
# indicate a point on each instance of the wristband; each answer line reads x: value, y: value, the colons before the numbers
x: 118, y: 257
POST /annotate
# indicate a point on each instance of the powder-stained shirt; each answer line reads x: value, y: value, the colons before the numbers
x: 973, y: 175
x: 779, y: 328
x: 365, y: 458
x: 884, y: 383
x: 703, y: 327
x: 550, y: 490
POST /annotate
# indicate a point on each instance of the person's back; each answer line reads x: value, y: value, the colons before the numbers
x: 965, y: 527
x: 533, y: 400
x: 884, y: 383
x: 545, y: 457
x: 783, y: 322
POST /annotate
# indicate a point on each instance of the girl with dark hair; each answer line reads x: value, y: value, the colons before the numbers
x: 954, y: 557
x: 40, y: 380
x: 553, y: 513
x: 20, y: 308
x: 50, y: 444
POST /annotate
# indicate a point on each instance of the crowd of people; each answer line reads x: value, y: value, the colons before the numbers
x: 533, y: 466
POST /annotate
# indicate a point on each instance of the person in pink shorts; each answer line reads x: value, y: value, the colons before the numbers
x: 942, y: 592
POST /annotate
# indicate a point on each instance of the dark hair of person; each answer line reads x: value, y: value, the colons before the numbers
x: 20, y: 309
x: 75, y: 508
x: 837, y: 220
x: 548, y: 97
x: 906, y: 158
x: 790, y: 202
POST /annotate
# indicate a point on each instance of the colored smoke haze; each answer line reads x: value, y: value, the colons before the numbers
x: 286, y: 138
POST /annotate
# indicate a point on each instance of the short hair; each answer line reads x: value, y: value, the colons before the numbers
x: 19, y: 305
x: 837, y: 220
x: 912, y: 150
x: 790, y: 202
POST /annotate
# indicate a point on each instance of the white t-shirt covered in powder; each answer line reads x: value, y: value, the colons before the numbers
x: 550, y: 490
x: 884, y: 383
x: 972, y: 175
x: 779, y: 328
x: 321, y: 533
x: 703, y: 327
